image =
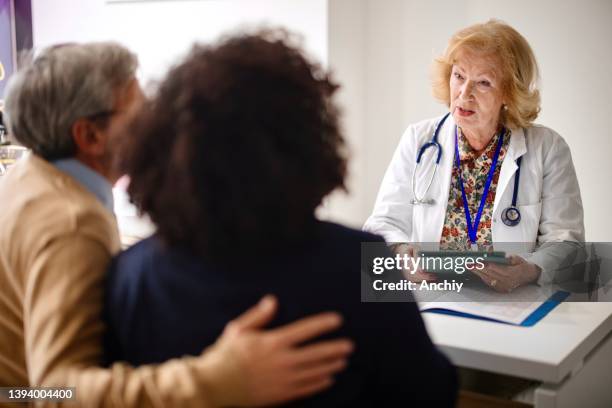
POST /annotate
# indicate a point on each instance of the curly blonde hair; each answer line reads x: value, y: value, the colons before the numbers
x: 515, y: 62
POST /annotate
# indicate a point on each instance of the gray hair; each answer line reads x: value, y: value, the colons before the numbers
x: 61, y: 85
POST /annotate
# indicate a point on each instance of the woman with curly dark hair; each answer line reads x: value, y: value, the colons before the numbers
x: 230, y: 160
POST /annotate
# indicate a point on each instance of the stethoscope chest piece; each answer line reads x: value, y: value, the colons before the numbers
x: 511, y: 216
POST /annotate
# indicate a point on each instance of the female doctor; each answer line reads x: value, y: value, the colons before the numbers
x: 484, y: 173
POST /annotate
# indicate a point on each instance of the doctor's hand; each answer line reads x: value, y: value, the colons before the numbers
x: 506, y: 278
x: 418, y: 275
x: 253, y: 367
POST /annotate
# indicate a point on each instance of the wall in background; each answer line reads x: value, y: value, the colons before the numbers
x: 6, y: 46
x: 15, y: 36
x: 385, y: 69
x: 161, y: 31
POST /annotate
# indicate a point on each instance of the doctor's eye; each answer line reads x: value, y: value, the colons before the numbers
x: 485, y: 83
x: 458, y: 75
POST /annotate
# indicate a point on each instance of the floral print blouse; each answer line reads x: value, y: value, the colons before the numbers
x: 474, y: 169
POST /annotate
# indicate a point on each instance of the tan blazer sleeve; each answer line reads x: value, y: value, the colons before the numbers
x: 63, y: 336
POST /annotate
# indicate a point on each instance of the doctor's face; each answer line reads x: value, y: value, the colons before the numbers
x: 476, y: 96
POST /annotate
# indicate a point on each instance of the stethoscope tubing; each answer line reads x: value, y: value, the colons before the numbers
x: 511, y: 216
x: 433, y: 143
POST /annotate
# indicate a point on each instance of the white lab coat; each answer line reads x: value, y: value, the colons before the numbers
x: 548, y: 198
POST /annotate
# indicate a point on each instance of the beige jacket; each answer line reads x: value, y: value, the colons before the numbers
x: 56, y: 240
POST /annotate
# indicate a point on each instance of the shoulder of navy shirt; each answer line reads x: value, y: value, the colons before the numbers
x: 165, y: 302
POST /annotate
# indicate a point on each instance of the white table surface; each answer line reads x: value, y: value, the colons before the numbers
x: 547, y: 352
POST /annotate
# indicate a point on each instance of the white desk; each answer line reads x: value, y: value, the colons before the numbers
x: 569, y: 352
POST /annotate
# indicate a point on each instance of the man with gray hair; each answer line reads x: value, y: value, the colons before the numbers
x: 58, y: 235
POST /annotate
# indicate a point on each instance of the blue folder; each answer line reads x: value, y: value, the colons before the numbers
x: 535, y: 316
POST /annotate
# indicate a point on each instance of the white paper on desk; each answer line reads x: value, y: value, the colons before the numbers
x: 515, y: 308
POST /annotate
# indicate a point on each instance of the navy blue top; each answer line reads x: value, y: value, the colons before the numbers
x: 165, y: 302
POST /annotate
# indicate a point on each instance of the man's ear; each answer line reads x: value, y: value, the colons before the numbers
x: 88, y: 138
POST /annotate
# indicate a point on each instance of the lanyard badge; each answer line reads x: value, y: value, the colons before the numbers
x: 473, y: 227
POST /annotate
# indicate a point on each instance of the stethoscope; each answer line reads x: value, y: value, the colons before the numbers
x: 511, y: 216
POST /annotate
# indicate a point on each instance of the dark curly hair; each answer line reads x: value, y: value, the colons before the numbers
x: 238, y: 148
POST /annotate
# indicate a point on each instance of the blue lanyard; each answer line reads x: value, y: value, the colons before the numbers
x: 473, y: 228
